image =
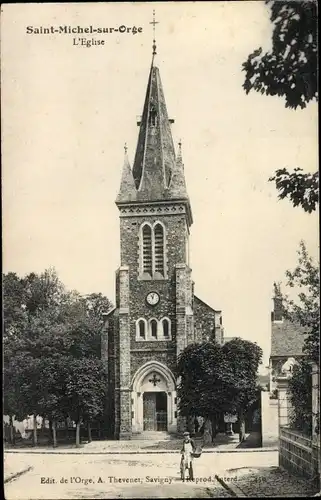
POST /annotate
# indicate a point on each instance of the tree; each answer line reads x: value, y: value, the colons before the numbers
x: 14, y: 313
x: 85, y: 390
x: 301, y: 396
x: 202, y: 369
x: 217, y: 379
x: 289, y: 70
x: 301, y: 188
x: 46, y: 325
x: 244, y: 357
x: 305, y: 309
x: 85, y: 317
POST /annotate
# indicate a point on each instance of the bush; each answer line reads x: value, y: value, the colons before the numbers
x: 300, y: 386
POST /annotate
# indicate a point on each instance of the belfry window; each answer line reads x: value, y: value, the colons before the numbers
x: 153, y: 328
x: 165, y: 328
x: 147, y: 249
x: 159, y: 249
x: 152, y: 244
x: 141, y: 328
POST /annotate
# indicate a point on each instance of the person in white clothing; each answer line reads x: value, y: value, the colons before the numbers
x: 188, y: 448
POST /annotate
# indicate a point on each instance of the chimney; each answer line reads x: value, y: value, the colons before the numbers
x: 277, y: 313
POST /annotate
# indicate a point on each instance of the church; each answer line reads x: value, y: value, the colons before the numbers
x: 156, y: 313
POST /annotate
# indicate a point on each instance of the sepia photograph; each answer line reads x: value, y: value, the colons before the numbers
x: 160, y: 215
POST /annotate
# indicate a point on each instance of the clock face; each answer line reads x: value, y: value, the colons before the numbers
x: 152, y: 298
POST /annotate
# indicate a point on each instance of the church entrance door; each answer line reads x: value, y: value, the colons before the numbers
x: 155, y: 411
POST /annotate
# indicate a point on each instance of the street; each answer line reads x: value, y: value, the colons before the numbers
x: 70, y: 476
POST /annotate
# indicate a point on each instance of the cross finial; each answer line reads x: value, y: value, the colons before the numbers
x: 125, y: 148
x: 153, y: 22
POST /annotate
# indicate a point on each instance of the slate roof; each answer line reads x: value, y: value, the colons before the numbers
x: 157, y: 174
x: 153, y: 171
x: 287, y: 339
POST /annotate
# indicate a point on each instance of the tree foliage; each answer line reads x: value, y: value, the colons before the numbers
x: 301, y: 396
x: 52, y: 349
x: 203, y: 372
x: 305, y: 309
x: 301, y: 188
x: 244, y: 358
x: 217, y: 379
x: 289, y: 69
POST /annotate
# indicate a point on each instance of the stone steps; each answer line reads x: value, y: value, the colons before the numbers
x: 152, y: 436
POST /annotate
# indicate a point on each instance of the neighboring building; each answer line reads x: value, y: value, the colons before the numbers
x: 157, y: 314
x: 287, y: 341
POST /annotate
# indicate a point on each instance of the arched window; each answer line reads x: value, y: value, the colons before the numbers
x: 141, y: 327
x: 147, y: 249
x: 153, y: 328
x: 166, y: 328
x: 159, y: 249
x: 152, y: 251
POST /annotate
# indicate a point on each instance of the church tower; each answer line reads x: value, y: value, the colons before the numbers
x: 153, y: 319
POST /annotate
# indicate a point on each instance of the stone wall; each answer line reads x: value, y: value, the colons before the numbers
x: 207, y: 322
x: 269, y: 420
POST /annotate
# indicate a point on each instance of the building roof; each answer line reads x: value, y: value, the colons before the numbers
x: 152, y: 171
x: 127, y: 189
x: 111, y: 312
x: 197, y: 299
x: 287, y: 339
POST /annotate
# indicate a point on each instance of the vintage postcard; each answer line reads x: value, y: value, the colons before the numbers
x: 160, y: 249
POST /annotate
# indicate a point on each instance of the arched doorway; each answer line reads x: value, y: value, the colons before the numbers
x: 153, y: 399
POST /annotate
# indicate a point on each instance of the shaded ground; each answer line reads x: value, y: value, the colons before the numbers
x: 174, y: 444
x: 253, y: 440
x: 269, y: 482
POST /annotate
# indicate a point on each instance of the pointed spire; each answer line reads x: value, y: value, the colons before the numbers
x: 127, y: 191
x: 155, y: 154
x: 177, y: 188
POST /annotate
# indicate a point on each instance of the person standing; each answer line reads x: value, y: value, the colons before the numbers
x: 188, y: 448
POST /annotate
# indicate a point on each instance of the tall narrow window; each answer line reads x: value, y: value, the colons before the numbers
x: 147, y: 249
x: 153, y: 328
x: 141, y: 329
x: 159, y: 249
x: 165, y: 328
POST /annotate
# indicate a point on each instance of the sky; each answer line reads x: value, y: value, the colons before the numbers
x: 67, y: 111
